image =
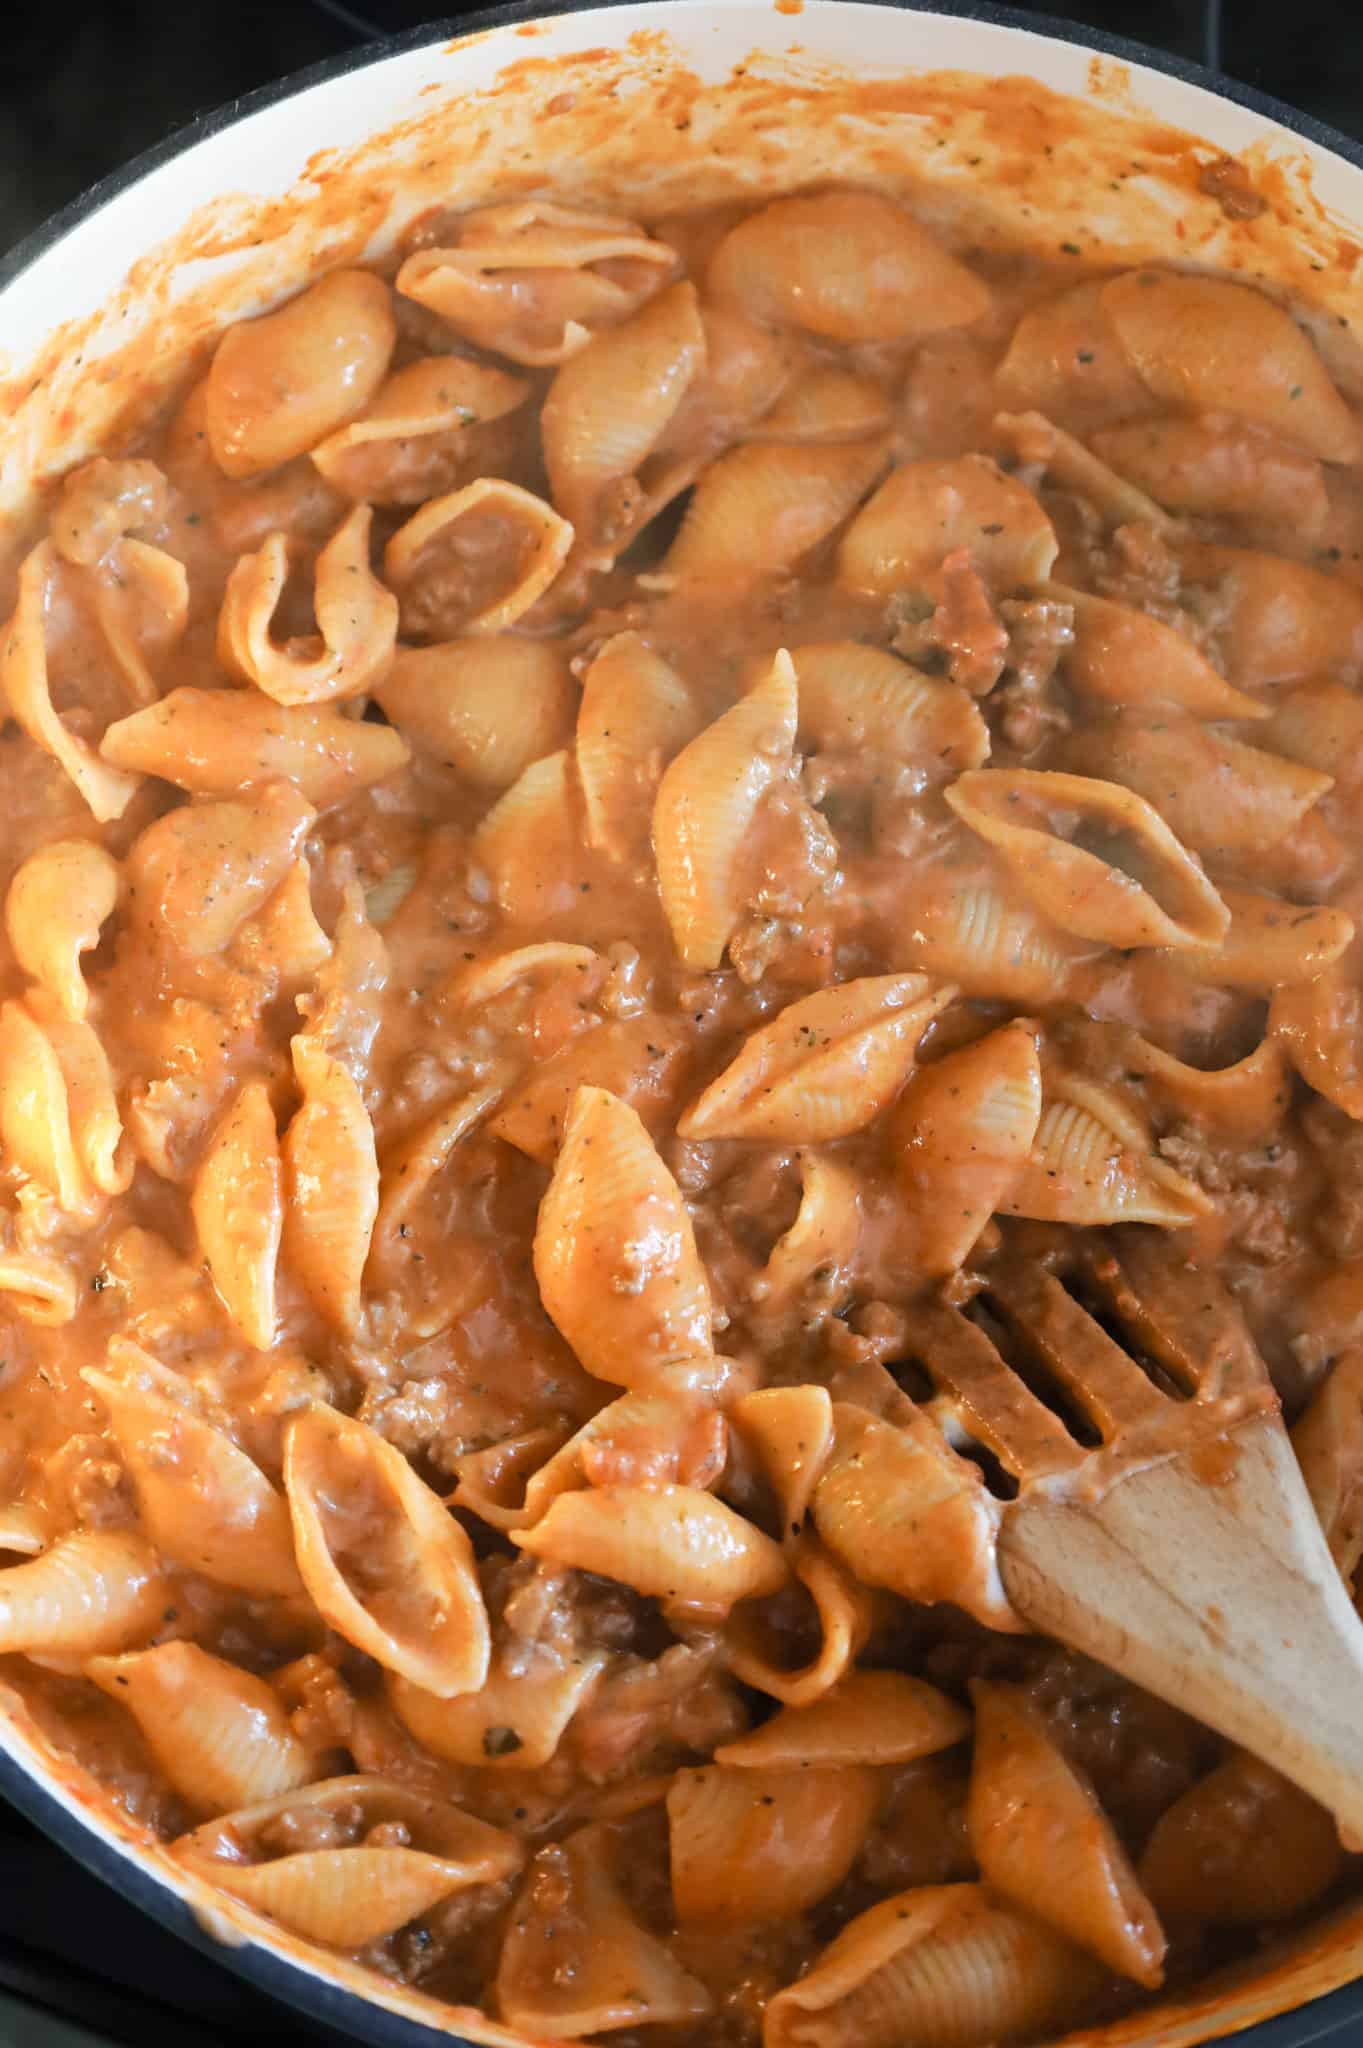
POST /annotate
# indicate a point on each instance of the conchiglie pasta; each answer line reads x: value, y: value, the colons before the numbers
x: 475, y: 560
x: 200, y: 872
x: 925, y: 511
x: 962, y: 1129
x: 426, y: 430
x: 1277, y: 620
x: 55, y: 909
x: 847, y: 266
x: 825, y: 404
x: 1269, y: 943
x: 636, y: 714
x: 238, y: 1209
x: 1093, y: 1163
x: 1126, y: 657
x: 757, y: 1646
x: 731, y: 1833
x: 1214, y: 793
x: 869, y: 1717
x: 790, y: 1432
x: 761, y: 508
x: 1220, y: 468
x: 530, y: 842
x: 513, y: 1722
x: 979, y: 931
x: 1242, y: 1846
x: 1319, y: 1024
x: 1320, y: 725
x: 357, y: 620
x: 93, y: 1592
x: 855, y: 697
x: 644, y: 1060
x: 674, y: 1543
x: 37, y: 1132
x: 810, y: 1269
x: 1065, y: 360
x: 331, y: 1185
x: 221, y: 1735
x: 489, y: 707
x: 217, y: 742
x: 386, y: 1565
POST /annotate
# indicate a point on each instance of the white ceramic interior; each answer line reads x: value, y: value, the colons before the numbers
x: 671, y: 103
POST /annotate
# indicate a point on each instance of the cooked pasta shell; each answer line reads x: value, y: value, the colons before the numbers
x: 925, y: 511
x: 1210, y: 345
x: 410, y: 1167
x: 383, y: 1561
x: 202, y: 1501
x: 23, y: 1532
x: 869, y: 1717
x: 416, y: 436
x: 483, y: 981
x: 1092, y: 1163
x: 826, y: 404
x: 489, y: 707
x: 1031, y: 1811
x: 636, y: 714
x: 615, y: 1253
x: 39, y: 1286
x: 55, y: 908
x: 1321, y: 725
x: 141, y: 600
x: 352, y: 1808
x: 199, y: 872
x: 1033, y: 442
x: 36, y: 1132
x: 514, y: 1722
x: 942, y: 1966
x: 1214, y: 793
x: 791, y: 495
x: 855, y: 698
x: 491, y: 550
x: 331, y: 1185
x: 343, y: 1898
x: 823, y: 1067
x: 1137, y: 887
x: 1220, y: 468
x: 357, y: 620
x: 1241, y: 1104
x: 1320, y: 1025
x: 99, y: 1590
x: 25, y: 690
x: 706, y: 804
x: 216, y: 742
x: 1241, y: 1847
x: 809, y: 1272
x: 1328, y: 1442
x: 646, y: 1437
x: 747, y: 368
x: 279, y: 384
x: 221, y: 1735
x: 605, y: 421
x: 531, y: 280
x: 1126, y: 657
x: 986, y: 937
x: 574, y: 1959
x: 757, y: 1647
x: 237, y: 1205
x: 673, y: 1543
x: 530, y: 842
x: 847, y: 266
x: 96, y: 1127
x: 644, y: 1060
x: 284, y: 941
x: 790, y: 1431
x: 1277, y: 621
x: 962, y: 1130
x: 1065, y: 359
x: 492, y: 1483
x: 1269, y: 944
x: 731, y: 1835
x: 884, y: 1481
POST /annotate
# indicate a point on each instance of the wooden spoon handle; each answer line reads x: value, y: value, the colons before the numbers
x: 1215, y: 1592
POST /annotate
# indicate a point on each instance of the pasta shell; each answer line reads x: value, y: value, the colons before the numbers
x: 643, y: 1060
x: 615, y: 1254
x: 488, y: 707
x: 141, y: 600
x: 809, y: 1272
x: 1035, y: 443
x: 221, y: 1736
x: 412, y: 1165
x: 747, y: 368
x: 279, y: 384
x: 96, y: 1127
x: 1220, y: 468
x: 757, y: 1647
x: 343, y: 1898
x: 1213, y: 793
x: 35, y: 1113
x: 1319, y: 1024
x: 1320, y: 725
x: 925, y: 511
x: 869, y: 1717
x: 1092, y: 1164
x: 492, y: 1483
x: 237, y: 1205
x: 1269, y: 944
x: 514, y: 1722
x: 1241, y: 1104
x: 531, y: 280
x: 574, y: 1959
x: 1278, y: 621
x: 605, y: 421
x: 1066, y: 360
x: 202, y: 1501
x: 962, y: 1129
x: 417, y: 436
x: 731, y: 1835
x: 352, y: 1808
x: 940, y: 1967
x: 1138, y: 887
x: 331, y: 1186
x: 1126, y: 657
x: 824, y: 1067
x: 636, y: 714
x: 530, y: 842
x: 856, y: 698
x: 900, y: 1509
x: 25, y: 690
x: 357, y: 620
x: 216, y: 742
x: 827, y: 403
x: 986, y: 937
x: 99, y: 1590
x: 793, y: 494
x: 1031, y: 1810
x: 284, y: 940
x: 1241, y: 1847
x: 199, y: 872
x: 848, y: 266
x: 39, y: 1287
x: 55, y: 908
x: 488, y: 551
x: 706, y: 804
x: 673, y: 1543
x: 383, y: 1561
x: 23, y: 1533
x: 1209, y: 345
x: 790, y: 1431
x: 1328, y: 1442
x: 482, y: 982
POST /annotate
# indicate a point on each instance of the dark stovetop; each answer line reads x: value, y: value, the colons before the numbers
x: 83, y: 87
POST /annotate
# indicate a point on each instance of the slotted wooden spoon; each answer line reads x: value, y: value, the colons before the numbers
x: 1163, y: 1526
